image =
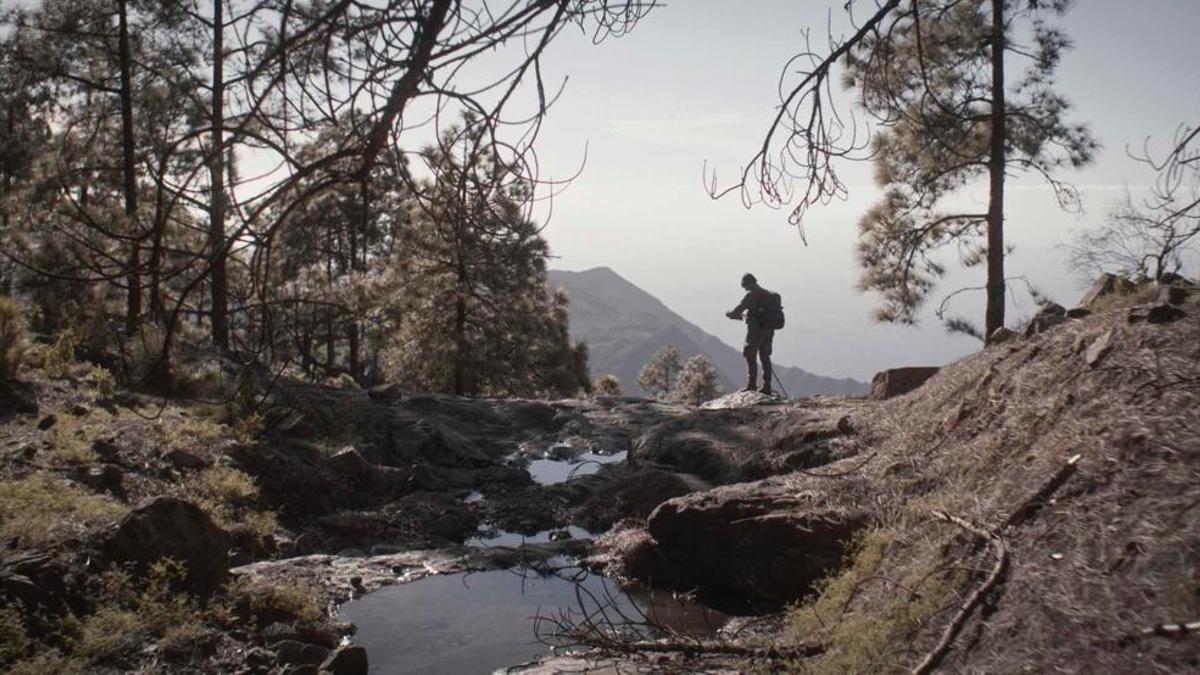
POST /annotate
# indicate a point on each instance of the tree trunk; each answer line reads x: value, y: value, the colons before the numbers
x: 996, y: 164
x: 133, y: 312
x: 460, y: 345
x: 216, y: 232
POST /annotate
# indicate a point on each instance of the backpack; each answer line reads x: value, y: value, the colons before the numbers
x: 770, y: 313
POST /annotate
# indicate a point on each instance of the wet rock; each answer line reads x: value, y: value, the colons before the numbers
x: 1051, y: 314
x: 46, y: 422
x: 169, y: 527
x: 899, y: 381
x: 1078, y: 313
x: 348, y: 660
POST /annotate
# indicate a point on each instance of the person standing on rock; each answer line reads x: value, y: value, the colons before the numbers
x: 758, y: 308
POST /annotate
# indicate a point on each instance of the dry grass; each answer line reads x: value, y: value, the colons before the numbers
x: 230, y: 497
x: 1116, y: 551
x: 13, y: 338
x: 264, y: 604
x: 42, y: 510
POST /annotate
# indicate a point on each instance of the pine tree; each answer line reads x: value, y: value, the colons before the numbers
x: 697, y: 381
x: 937, y: 82
x: 658, y: 373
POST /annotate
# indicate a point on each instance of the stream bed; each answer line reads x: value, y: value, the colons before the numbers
x: 483, y: 621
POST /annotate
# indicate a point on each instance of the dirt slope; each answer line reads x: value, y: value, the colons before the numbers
x: 1067, y: 582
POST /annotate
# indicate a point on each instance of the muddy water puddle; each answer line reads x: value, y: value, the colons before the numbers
x: 479, y: 622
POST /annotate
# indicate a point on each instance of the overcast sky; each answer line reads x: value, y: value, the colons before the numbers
x: 696, y: 82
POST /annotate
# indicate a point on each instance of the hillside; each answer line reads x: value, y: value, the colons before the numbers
x: 623, y: 325
x: 1032, y: 508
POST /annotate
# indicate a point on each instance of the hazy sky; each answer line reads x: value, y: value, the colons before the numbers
x: 696, y: 82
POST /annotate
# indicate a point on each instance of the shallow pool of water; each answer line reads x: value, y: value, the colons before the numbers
x: 487, y: 537
x: 476, y: 623
x: 551, y: 471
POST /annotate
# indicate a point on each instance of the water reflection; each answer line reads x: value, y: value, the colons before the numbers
x: 491, y: 537
x: 552, y: 471
x: 476, y: 623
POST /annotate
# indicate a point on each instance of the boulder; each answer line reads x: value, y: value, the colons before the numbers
x: 17, y: 398
x: 169, y: 527
x: 758, y: 545
x: 1000, y: 335
x: 182, y: 459
x: 632, y: 494
x: 1171, y: 295
x: 899, y: 381
x: 1099, y: 348
x: 1155, y: 313
x: 1105, y: 284
x: 1051, y: 314
x: 348, y: 660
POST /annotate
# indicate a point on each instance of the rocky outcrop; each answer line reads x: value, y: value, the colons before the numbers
x: 899, y: 381
x: 630, y: 493
x: 747, y: 547
x: 1104, y: 285
x: 168, y: 527
x: 738, y: 444
x: 1051, y: 314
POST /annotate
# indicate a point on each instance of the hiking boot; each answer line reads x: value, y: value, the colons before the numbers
x: 750, y: 386
x: 766, y: 389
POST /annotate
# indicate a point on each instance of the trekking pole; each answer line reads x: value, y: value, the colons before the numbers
x: 782, y: 388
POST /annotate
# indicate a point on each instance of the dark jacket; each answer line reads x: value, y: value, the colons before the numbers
x: 755, y: 305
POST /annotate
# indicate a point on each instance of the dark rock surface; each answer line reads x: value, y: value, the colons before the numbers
x: 747, y: 547
x: 899, y: 381
x: 168, y: 527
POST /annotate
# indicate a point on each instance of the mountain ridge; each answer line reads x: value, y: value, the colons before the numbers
x: 624, y: 325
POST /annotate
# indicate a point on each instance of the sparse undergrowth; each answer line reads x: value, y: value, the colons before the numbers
x: 127, y: 613
x: 43, y: 510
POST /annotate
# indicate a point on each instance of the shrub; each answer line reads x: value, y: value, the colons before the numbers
x: 13, y: 338
x: 607, y: 385
x: 265, y: 604
x: 59, y: 358
x: 229, y: 496
x: 106, y: 385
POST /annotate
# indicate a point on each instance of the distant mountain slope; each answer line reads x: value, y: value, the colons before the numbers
x: 623, y: 325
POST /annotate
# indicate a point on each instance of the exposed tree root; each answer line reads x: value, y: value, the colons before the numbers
x: 1000, y: 549
x: 1173, y: 630
x: 1039, y: 498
